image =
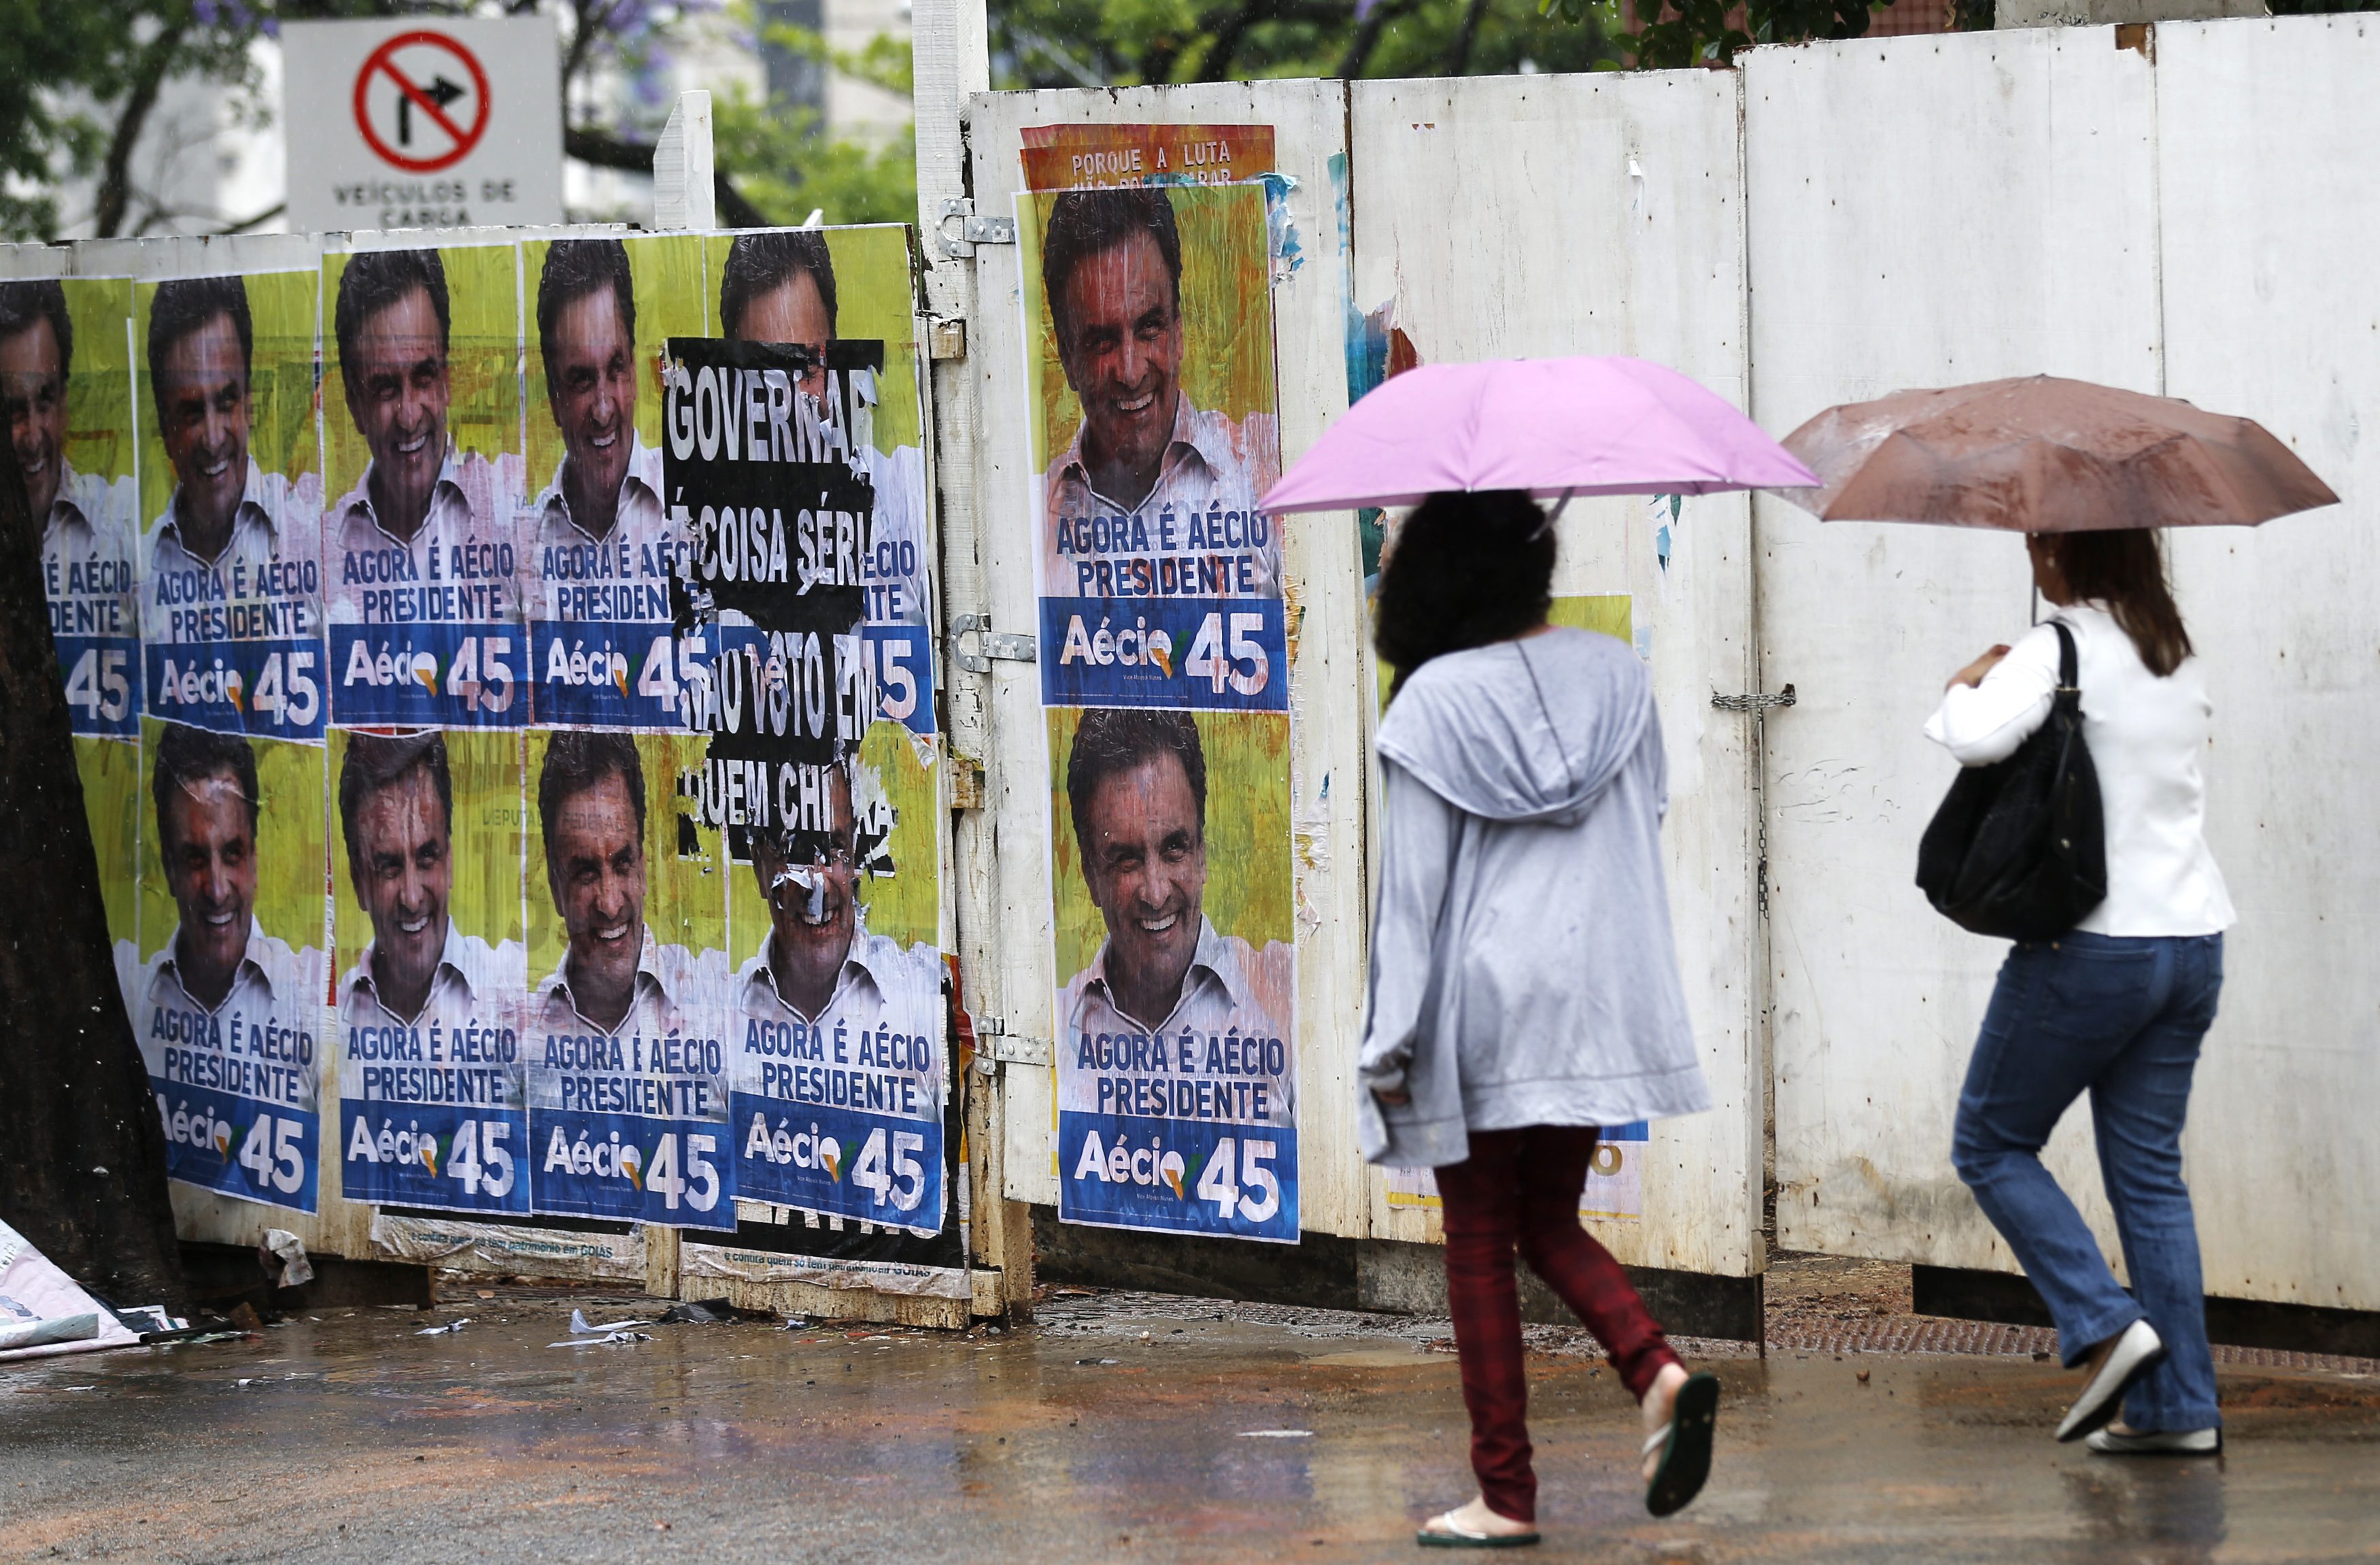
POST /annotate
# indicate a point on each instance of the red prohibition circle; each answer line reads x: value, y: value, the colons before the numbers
x: 384, y: 60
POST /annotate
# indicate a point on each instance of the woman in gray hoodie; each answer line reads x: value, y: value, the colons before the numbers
x: 1524, y: 987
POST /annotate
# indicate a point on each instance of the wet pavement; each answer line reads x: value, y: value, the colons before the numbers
x: 1117, y: 1427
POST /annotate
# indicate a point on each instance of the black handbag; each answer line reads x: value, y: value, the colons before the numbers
x: 2019, y: 849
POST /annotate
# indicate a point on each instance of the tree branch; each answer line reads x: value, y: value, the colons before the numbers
x: 244, y: 225
x: 1459, y: 62
x: 115, y: 179
x: 606, y: 150
x: 1216, y: 64
x: 1367, y: 37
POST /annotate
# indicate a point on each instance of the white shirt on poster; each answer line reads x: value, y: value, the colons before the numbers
x: 276, y: 987
x: 676, y: 994
x: 470, y: 509
x: 640, y: 547
x: 1232, y: 987
x: 881, y: 986
x: 476, y: 986
x: 278, y: 520
x: 1213, y: 471
x: 87, y: 555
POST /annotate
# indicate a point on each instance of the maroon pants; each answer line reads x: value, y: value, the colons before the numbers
x: 1521, y: 1189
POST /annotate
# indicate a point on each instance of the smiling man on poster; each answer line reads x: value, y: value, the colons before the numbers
x: 227, y: 1014
x: 1161, y: 581
x: 231, y: 605
x: 840, y: 1077
x: 87, y: 522
x: 1112, y: 266
x: 428, y: 1015
x: 421, y: 550
x: 604, y: 543
x: 1172, y: 1033
x: 625, y: 1048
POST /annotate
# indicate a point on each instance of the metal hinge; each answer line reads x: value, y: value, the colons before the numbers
x: 994, y: 1044
x: 958, y: 214
x: 1004, y: 645
x: 1758, y: 701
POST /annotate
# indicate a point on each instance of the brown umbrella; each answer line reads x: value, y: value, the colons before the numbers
x: 2043, y: 455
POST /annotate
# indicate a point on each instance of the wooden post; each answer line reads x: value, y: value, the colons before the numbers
x: 952, y: 60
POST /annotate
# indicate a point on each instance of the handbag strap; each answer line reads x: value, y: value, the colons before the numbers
x: 2070, y: 678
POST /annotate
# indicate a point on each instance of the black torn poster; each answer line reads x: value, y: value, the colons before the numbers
x: 839, y: 1075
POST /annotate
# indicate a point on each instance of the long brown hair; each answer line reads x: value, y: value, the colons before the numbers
x: 2124, y: 569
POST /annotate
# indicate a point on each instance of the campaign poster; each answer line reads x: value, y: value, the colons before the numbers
x: 66, y: 380
x: 1150, y: 372
x: 1090, y: 157
x: 227, y: 990
x: 1164, y: 663
x: 596, y: 540
x: 231, y: 480
x: 1615, y: 1179
x: 66, y: 373
x: 838, y: 1079
x: 432, y: 969
x: 422, y: 449
x: 625, y: 1038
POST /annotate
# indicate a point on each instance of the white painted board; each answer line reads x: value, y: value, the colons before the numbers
x: 1925, y: 211
x: 2271, y: 309
x: 1537, y: 216
x: 1326, y: 608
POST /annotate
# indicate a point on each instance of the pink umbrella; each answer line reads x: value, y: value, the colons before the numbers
x: 1554, y: 427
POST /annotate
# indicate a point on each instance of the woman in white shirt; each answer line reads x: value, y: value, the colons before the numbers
x: 2117, y: 1008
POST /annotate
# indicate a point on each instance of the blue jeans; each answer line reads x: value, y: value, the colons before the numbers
x: 2121, y: 1019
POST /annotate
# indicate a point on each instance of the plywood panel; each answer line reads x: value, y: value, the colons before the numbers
x: 1924, y: 211
x: 1325, y: 590
x: 1534, y: 216
x: 2271, y: 309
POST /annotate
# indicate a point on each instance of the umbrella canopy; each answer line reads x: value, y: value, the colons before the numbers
x: 2043, y: 455
x: 1554, y: 427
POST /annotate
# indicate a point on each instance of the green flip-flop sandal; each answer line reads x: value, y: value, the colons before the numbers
x: 1684, y: 1443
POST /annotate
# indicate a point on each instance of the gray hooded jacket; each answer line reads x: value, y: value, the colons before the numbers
x: 1523, y: 969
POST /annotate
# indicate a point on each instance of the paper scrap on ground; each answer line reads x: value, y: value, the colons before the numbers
x: 578, y: 1325
x: 42, y: 1310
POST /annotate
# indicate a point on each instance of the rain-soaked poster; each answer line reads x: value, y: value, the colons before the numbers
x: 625, y: 1032
x: 65, y: 378
x: 426, y: 859
x: 794, y: 441
x: 227, y: 987
x: 598, y: 542
x: 422, y: 443
x: 428, y: 655
x: 1164, y: 670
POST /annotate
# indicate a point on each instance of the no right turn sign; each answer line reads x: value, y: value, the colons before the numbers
x: 410, y: 123
x: 404, y: 87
